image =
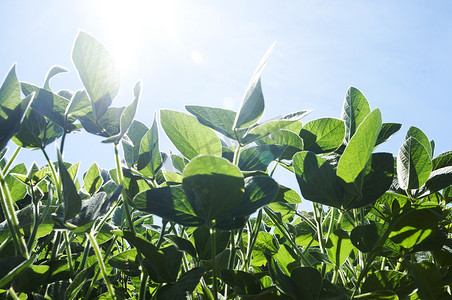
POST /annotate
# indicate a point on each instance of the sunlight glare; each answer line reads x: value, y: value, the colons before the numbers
x: 128, y: 25
x: 196, y: 56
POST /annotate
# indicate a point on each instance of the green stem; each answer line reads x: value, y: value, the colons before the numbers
x: 285, y: 232
x: 31, y: 239
x: 143, y: 285
x: 162, y: 233
x: 124, y: 192
x: 100, y: 260
x: 235, y: 161
x: 11, y: 160
x: 69, y: 254
x: 54, y: 175
x: 214, y: 263
x: 11, y: 218
x: 254, y: 234
x: 318, y: 221
x: 63, y: 139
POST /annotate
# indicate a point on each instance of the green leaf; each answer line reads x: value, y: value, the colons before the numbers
x: 126, y: 262
x: 159, y: 268
x: 260, y: 131
x: 127, y: 116
x: 309, y: 282
x: 339, y: 247
x: 421, y: 138
x: 290, y: 140
x: 414, y: 226
x: 182, y: 244
x: 287, y: 195
x: 189, y: 136
x: 323, y: 135
x: 150, y: 160
x: 295, y: 127
x: 170, y: 203
x: 71, y: 199
x: 284, y: 282
x: 317, y: 179
x: 413, y: 164
x: 97, y: 71
x: 36, y: 131
x: 218, y: 119
x: 79, y: 104
x: 218, y: 185
x: 442, y: 160
x: 355, y: 110
x: 428, y: 280
x: 438, y: 180
x: 136, y: 132
x: 12, y: 108
x: 359, y: 149
x: 366, y: 237
x: 259, y: 191
x: 377, y: 179
x: 203, y: 242
x: 31, y: 279
x: 244, y: 284
x: 380, y: 295
x: 91, y: 210
x: 184, y: 286
x: 395, y: 281
x: 252, y: 106
x: 92, y: 180
x: 55, y: 70
x: 259, y: 157
x: 11, y: 267
x: 387, y: 131
x: 49, y: 105
x: 178, y: 162
x: 82, y: 277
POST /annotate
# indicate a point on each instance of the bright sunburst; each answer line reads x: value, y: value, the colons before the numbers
x: 127, y: 25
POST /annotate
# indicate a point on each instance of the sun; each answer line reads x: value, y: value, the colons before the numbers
x: 128, y: 25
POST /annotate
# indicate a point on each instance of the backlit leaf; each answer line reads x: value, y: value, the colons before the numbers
x: 189, y: 136
x: 413, y: 164
x: 323, y: 135
x: 355, y: 109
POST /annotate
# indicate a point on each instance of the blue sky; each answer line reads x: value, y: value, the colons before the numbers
x: 398, y: 53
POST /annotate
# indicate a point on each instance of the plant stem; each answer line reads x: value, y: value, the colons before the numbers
x: 11, y: 160
x: 213, y: 247
x: 69, y: 253
x: 285, y: 232
x: 318, y: 221
x: 124, y: 192
x: 11, y: 218
x: 103, y: 269
x: 235, y: 160
x: 56, y: 182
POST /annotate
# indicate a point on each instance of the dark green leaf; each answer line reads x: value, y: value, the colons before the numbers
x: 135, y: 133
x: 203, y: 242
x: 442, y: 160
x: 392, y: 280
x: 31, y: 279
x: 244, y: 284
x: 71, y: 199
x: 355, y: 109
x: 260, y: 131
x: 428, y: 280
x: 366, y: 237
x: 252, y: 106
x: 309, y: 282
x: 182, y: 244
x: 317, y: 179
x: 421, y: 138
x: 150, y: 159
x: 218, y: 119
x: 387, y: 131
x: 323, y: 135
x: 438, y: 180
x: 259, y: 157
x: 12, y: 108
x: 97, y: 71
x: 171, y: 203
x: 184, y: 286
x: 218, y: 185
x: 189, y: 136
x: 127, y: 116
x: 126, y: 262
x: 339, y: 246
x: 413, y: 164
